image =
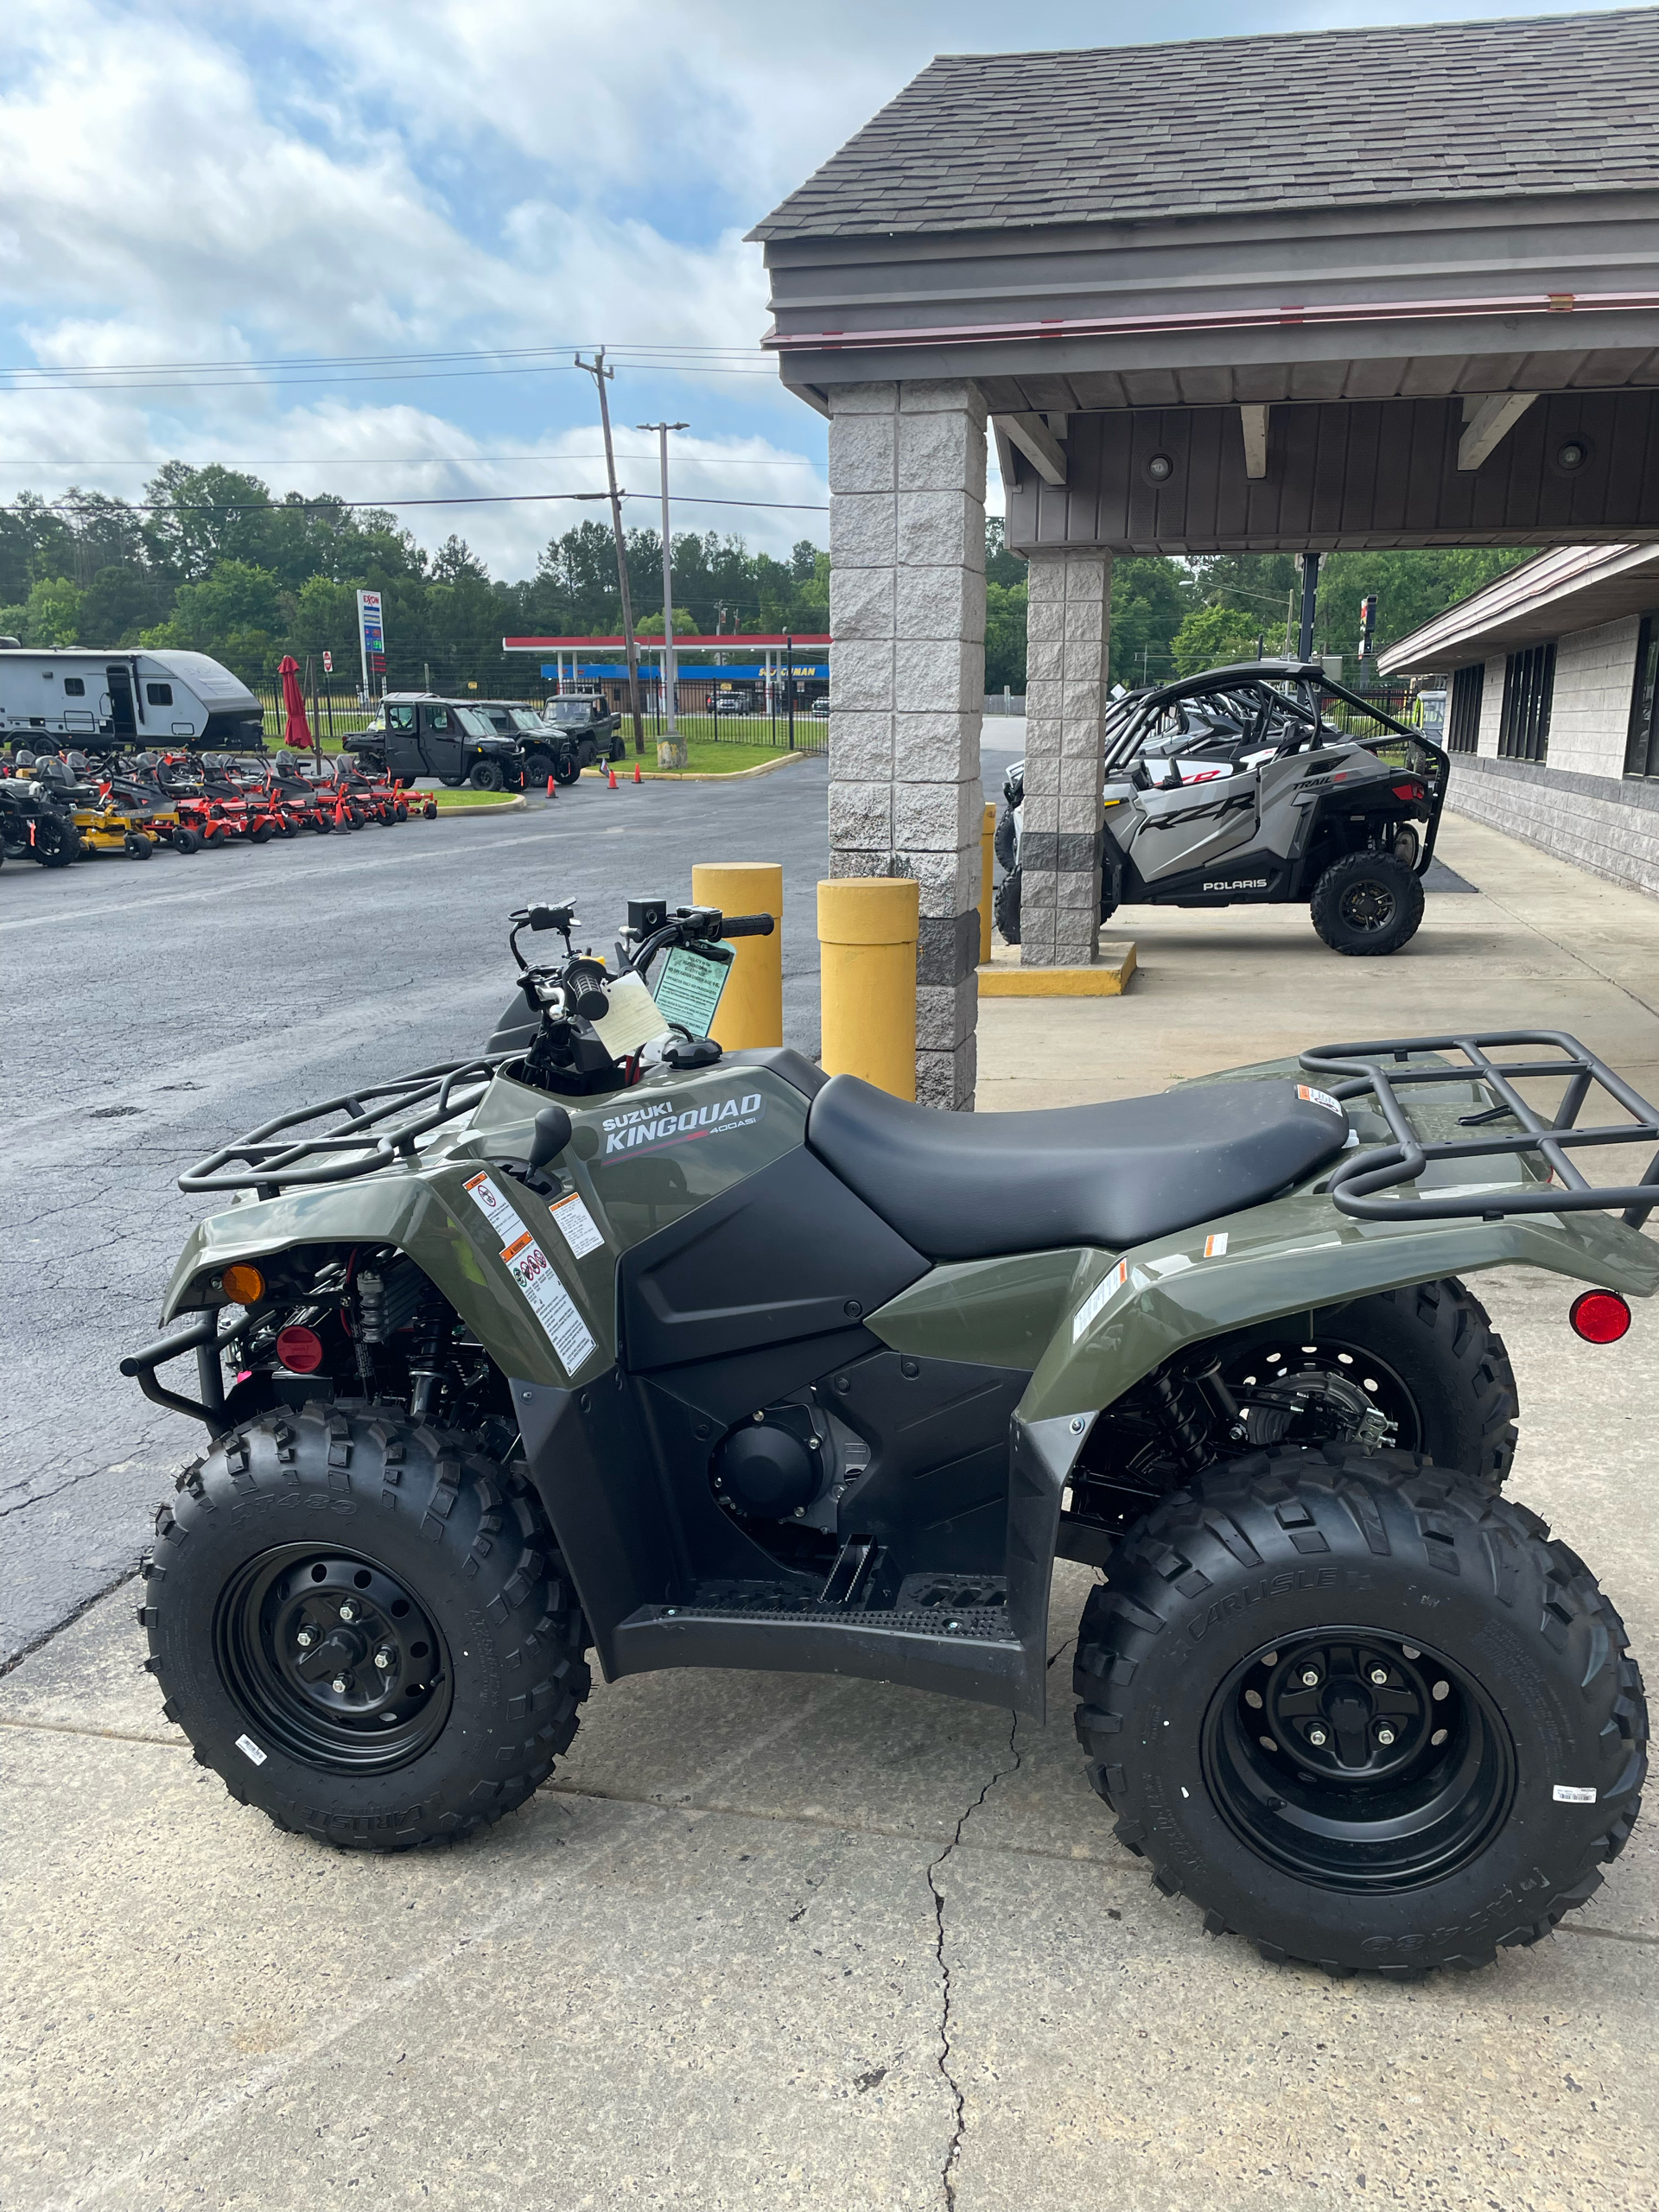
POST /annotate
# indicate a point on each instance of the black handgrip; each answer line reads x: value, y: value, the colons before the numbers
x: 747, y: 926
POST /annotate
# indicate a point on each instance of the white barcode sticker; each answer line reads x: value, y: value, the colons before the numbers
x: 577, y: 1226
x: 1568, y: 1793
x: 549, y: 1302
x: 248, y: 1749
x: 1098, y: 1299
x: 490, y: 1198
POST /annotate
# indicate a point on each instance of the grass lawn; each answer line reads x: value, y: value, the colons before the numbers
x: 450, y: 802
x: 703, y: 758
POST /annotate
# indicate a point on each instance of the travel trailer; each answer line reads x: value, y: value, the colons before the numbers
x: 123, y: 701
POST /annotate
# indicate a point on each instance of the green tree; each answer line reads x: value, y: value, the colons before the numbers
x: 1151, y: 598
x: 1002, y: 567
x: 651, y: 625
x: 1005, y: 635
x: 119, y: 603
x: 52, y: 613
x: 200, y: 517
x: 1210, y: 637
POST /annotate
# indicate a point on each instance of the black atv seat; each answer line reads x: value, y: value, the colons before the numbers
x: 969, y: 1187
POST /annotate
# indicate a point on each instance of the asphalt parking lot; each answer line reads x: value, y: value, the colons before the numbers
x: 157, y: 1010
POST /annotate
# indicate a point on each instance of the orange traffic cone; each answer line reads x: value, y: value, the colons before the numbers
x: 613, y: 782
x: 636, y: 776
x: 550, y: 787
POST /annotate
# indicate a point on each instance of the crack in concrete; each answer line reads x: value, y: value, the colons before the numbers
x: 954, y: 2152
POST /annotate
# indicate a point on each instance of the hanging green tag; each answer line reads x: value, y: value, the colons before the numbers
x: 690, y: 982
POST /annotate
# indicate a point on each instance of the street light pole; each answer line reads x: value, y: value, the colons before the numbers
x: 601, y: 376
x: 669, y: 669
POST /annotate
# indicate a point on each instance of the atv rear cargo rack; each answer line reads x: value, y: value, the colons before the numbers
x: 272, y: 1162
x: 1383, y: 1069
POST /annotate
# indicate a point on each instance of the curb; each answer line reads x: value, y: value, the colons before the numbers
x: 515, y: 805
x: 700, y: 775
x: 1109, y: 978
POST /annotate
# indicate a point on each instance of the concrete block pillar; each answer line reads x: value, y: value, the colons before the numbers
x: 1068, y: 632
x: 907, y: 683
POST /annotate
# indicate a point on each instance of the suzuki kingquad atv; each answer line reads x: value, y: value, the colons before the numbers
x: 1263, y: 784
x: 618, y: 1342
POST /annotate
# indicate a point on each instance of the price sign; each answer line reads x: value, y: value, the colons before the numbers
x: 690, y: 984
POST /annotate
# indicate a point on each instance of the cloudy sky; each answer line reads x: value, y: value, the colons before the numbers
x: 219, y: 223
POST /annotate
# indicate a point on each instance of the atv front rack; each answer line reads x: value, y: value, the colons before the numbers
x: 370, y: 1136
x: 1383, y: 1069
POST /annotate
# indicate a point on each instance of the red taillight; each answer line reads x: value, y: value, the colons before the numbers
x: 1601, y: 1317
x: 301, y: 1351
x: 1406, y: 790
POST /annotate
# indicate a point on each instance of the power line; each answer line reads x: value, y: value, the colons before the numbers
x: 334, y: 507
x: 442, y: 461
x: 630, y: 353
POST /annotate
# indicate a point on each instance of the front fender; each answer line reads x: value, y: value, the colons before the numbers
x: 1130, y: 1311
x: 430, y: 1217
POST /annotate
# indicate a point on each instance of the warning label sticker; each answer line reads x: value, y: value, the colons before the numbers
x: 549, y: 1302
x: 490, y: 1198
x: 1098, y: 1299
x: 1318, y: 1097
x: 577, y: 1226
x: 1215, y: 1247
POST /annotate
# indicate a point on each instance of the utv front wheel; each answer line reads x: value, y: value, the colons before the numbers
x: 1005, y: 907
x: 364, y: 1627
x: 1362, y: 1713
x: 1367, y: 904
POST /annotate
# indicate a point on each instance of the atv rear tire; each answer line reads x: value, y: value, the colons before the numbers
x: 1367, y: 904
x: 322, y: 1570
x: 1005, y: 907
x: 1469, y: 1751
x: 485, y: 776
x: 1426, y: 1358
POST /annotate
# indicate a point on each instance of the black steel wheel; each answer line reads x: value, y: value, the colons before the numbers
x: 1365, y: 1713
x: 55, y: 841
x: 364, y: 1626
x: 1358, y: 1760
x: 1367, y: 905
x: 1419, y: 1369
x: 486, y: 776
x: 328, y: 1653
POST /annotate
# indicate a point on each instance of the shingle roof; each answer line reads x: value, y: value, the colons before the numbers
x: 1519, y: 105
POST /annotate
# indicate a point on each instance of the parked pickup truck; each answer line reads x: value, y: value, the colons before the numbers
x: 594, y: 724
x: 416, y: 733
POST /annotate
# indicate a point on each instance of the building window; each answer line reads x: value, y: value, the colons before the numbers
x: 1523, y: 725
x: 74, y: 687
x: 159, y: 695
x: 1642, y: 757
x: 1463, y: 719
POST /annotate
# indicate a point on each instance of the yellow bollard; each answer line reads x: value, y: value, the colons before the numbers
x: 751, y: 1004
x: 986, y: 881
x: 867, y: 929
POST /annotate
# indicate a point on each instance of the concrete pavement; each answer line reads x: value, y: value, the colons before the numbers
x: 782, y: 1941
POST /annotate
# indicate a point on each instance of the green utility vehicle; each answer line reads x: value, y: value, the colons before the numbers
x: 610, y: 1343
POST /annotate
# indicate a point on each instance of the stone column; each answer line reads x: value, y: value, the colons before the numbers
x: 1068, y: 630
x: 907, y: 683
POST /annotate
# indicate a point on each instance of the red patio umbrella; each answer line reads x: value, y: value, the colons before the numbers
x: 299, y: 730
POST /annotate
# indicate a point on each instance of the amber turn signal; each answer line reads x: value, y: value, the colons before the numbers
x: 1601, y: 1317
x: 242, y: 1284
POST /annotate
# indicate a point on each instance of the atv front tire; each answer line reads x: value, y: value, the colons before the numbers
x: 1363, y: 1713
x: 364, y: 1627
x: 1367, y: 904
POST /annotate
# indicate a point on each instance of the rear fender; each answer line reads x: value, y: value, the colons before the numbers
x: 1129, y: 1312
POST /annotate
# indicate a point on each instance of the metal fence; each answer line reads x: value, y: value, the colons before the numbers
x: 1004, y: 703
x: 332, y: 713
x: 710, y: 711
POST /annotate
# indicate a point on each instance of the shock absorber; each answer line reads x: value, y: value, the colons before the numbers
x: 425, y: 1374
x: 1183, y: 1416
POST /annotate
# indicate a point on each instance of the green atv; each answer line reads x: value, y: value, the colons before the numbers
x: 608, y: 1341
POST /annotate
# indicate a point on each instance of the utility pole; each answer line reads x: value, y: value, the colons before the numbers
x: 670, y: 671
x: 601, y: 376
x: 1310, y: 597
